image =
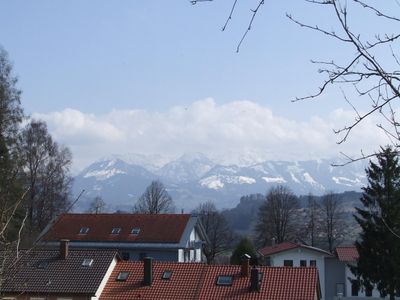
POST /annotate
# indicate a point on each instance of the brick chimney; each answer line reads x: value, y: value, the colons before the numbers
x: 148, y: 271
x: 64, y: 245
x: 254, y: 281
x: 245, y: 270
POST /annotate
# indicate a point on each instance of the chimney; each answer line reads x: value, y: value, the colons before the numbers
x: 64, y: 245
x: 245, y: 265
x: 273, y: 242
x: 148, y: 271
x: 254, y: 281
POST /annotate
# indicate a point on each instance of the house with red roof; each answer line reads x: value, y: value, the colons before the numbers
x: 55, y: 274
x: 169, y: 280
x: 165, y: 237
x: 346, y: 257
x: 289, y: 254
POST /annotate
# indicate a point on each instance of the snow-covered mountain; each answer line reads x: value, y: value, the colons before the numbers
x: 194, y: 178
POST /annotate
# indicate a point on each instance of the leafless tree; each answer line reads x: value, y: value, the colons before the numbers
x: 218, y: 231
x: 313, y: 220
x: 333, y: 220
x: 46, y: 168
x: 253, y: 13
x: 155, y: 200
x: 97, y: 206
x: 277, y: 216
x: 372, y: 69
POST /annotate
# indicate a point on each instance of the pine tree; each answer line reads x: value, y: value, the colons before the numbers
x: 245, y: 246
x: 379, y: 245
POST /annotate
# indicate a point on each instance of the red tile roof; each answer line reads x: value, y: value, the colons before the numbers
x: 161, y: 228
x: 198, y: 281
x: 347, y: 253
x: 184, y: 283
x: 277, y: 283
x: 266, y: 251
x: 270, y: 250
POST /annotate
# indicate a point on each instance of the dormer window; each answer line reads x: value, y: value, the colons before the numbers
x: 122, y: 276
x: 116, y: 230
x: 224, y: 280
x: 84, y: 230
x: 135, y: 231
x: 87, y: 262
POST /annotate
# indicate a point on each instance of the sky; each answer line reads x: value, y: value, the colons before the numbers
x: 160, y: 77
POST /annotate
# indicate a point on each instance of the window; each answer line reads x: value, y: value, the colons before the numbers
x: 122, y: 276
x: 288, y: 263
x: 313, y: 263
x: 125, y: 255
x: 303, y: 263
x: 116, y: 230
x: 339, y: 289
x: 260, y: 276
x: 84, y: 230
x: 42, y: 264
x: 87, y: 262
x: 268, y: 261
x: 355, y: 287
x: 166, y: 275
x: 224, y: 280
x: 135, y: 231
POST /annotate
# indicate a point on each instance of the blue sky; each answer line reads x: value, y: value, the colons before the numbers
x: 86, y: 66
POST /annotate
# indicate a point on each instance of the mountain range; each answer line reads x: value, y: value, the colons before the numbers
x: 195, y: 178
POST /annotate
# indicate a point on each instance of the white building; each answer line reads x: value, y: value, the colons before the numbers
x: 297, y: 255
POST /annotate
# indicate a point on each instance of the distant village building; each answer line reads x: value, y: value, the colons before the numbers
x: 336, y: 279
x: 165, y: 237
x: 290, y: 254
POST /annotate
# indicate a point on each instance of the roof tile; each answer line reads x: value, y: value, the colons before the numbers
x: 347, y: 253
x: 161, y: 228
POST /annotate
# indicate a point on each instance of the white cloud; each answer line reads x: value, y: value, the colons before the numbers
x: 226, y: 131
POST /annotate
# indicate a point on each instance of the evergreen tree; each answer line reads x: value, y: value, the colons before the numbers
x: 245, y: 246
x: 378, y: 246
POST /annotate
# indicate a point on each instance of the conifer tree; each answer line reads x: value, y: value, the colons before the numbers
x: 379, y: 245
x: 245, y: 246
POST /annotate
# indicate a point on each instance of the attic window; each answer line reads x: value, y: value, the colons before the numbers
x: 116, y: 230
x: 225, y: 280
x: 260, y: 276
x: 135, y: 231
x: 122, y: 276
x: 84, y: 230
x: 166, y: 275
x: 42, y: 264
x: 87, y: 262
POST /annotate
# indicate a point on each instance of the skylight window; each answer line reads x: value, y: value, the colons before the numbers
x: 224, y: 280
x: 87, y: 262
x: 116, y: 230
x: 84, y: 230
x: 122, y: 276
x: 42, y: 264
x: 135, y: 231
x: 166, y: 275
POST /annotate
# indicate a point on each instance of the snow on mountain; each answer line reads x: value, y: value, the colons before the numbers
x: 194, y: 178
x: 188, y: 167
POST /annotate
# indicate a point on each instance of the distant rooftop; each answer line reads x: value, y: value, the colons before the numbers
x: 138, y: 228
